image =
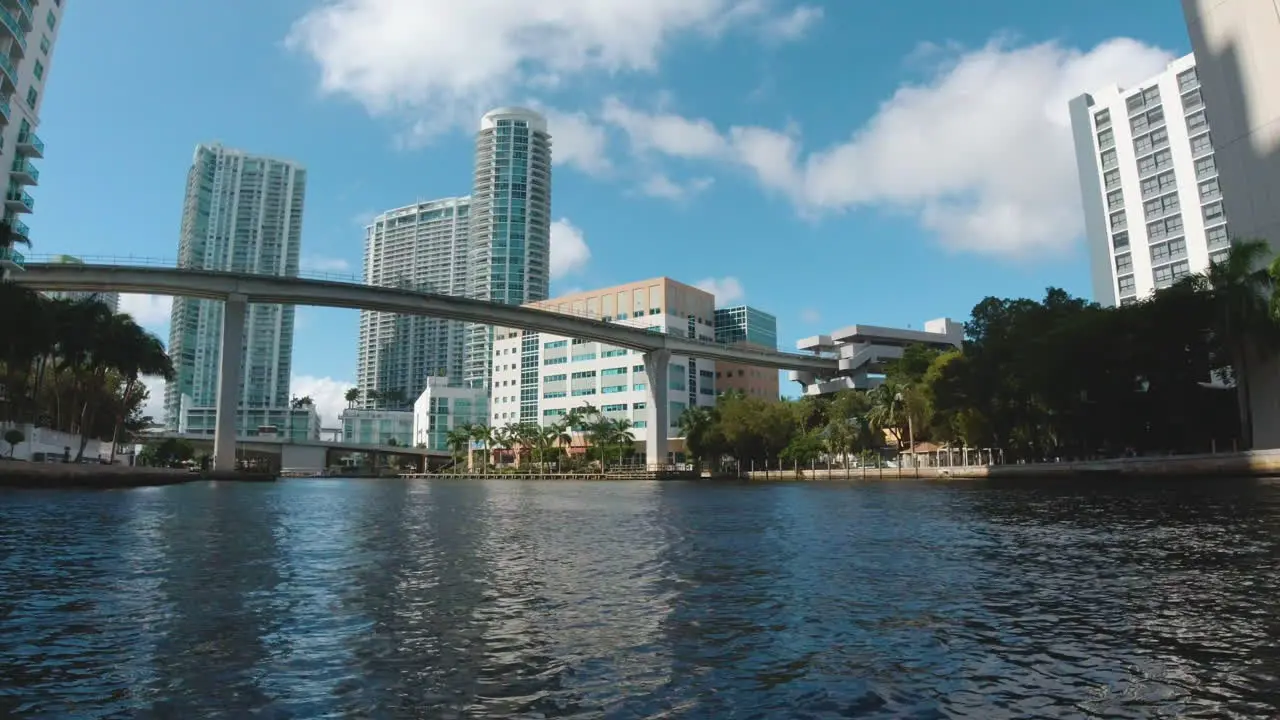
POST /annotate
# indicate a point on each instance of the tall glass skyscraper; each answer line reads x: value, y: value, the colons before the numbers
x: 242, y: 213
x: 509, y: 255
x: 419, y: 247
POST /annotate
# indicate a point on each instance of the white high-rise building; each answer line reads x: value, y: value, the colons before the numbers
x: 509, y: 258
x: 1149, y: 182
x: 538, y: 378
x: 242, y: 213
x: 28, y: 33
x: 420, y: 247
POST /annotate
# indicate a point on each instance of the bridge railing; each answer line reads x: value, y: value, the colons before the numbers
x: 169, y: 262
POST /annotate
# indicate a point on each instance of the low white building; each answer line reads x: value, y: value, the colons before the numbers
x: 443, y: 406
x: 299, y: 424
x: 377, y: 427
x: 864, y: 351
x: 538, y: 378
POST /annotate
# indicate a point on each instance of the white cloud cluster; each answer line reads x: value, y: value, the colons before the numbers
x: 727, y: 290
x: 150, y: 311
x: 659, y: 185
x: 326, y: 392
x: 154, y: 405
x: 445, y: 61
x: 981, y: 153
x: 569, y: 251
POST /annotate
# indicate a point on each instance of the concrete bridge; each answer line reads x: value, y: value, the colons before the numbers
x: 237, y: 290
x: 313, y: 454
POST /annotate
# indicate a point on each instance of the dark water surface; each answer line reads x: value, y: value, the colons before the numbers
x: 345, y: 599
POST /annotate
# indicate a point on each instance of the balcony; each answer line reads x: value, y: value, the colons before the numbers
x: 24, y: 172
x: 27, y: 17
x: 8, y: 73
x: 11, y: 259
x: 19, y: 201
x: 18, y: 230
x: 15, y: 29
x: 4, y: 112
x: 30, y: 144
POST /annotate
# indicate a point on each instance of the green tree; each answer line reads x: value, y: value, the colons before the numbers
x: 13, y: 436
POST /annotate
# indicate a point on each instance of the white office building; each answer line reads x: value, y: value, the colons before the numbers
x: 538, y: 378
x: 509, y: 257
x: 242, y: 213
x: 444, y: 406
x: 377, y: 427
x: 28, y: 34
x: 419, y: 247
x: 865, y: 351
x: 1153, y: 207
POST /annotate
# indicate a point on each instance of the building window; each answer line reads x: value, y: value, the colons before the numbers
x: 1160, y: 206
x: 1167, y: 227
x: 1109, y: 159
x: 1217, y: 237
x: 1192, y: 100
x: 1124, y: 264
x: 38, y: 70
x: 1187, y: 80
x: 1111, y: 179
x: 1127, y: 285
x: 1134, y: 103
x: 51, y: 20
x: 1214, y: 214
x: 1166, y: 251
x: 1102, y: 119
x: 1162, y: 183
x: 1217, y: 257
x: 32, y: 96
x: 1201, y: 144
x: 44, y: 44
x: 1118, y: 221
x: 1196, y: 122
x: 1115, y: 200
x: 1106, y: 139
x: 1209, y: 190
x: 1206, y: 166
x: 1120, y: 241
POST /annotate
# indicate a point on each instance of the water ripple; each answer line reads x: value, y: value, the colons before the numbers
x: 337, y: 599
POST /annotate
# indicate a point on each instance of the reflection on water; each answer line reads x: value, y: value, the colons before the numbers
x: 337, y: 598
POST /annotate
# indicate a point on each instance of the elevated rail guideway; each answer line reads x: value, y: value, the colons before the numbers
x: 237, y: 290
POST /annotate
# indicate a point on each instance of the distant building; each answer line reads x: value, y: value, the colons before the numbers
x: 418, y: 247
x: 110, y: 299
x: 1153, y: 206
x: 296, y: 424
x: 509, y: 256
x: 747, y: 327
x: 865, y: 350
x: 538, y: 378
x: 377, y: 427
x: 241, y: 213
x: 444, y: 406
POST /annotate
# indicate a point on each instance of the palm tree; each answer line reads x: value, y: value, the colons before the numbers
x: 1243, y: 293
x: 888, y: 410
x: 696, y: 425
x: 298, y: 403
x: 579, y: 419
x: 459, y: 439
x: 483, y: 434
x: 352, y: 397
x: 134, y: 352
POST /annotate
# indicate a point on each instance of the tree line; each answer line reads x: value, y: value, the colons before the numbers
x: 75, y: 366
x: 604, y: 439
x: 1061, y: 377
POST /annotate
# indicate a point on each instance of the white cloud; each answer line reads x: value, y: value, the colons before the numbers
x: 149, y: 311
x: 579, y: 141
x: 981, y: 153
x: 810, y: 316
x: 327, y: 393
x: 154, y: 405
x: 443, y: 61
x: 793, y: 25
x: 660, y: 186
x: 728, y: 290
x: 315, y: 263
x: 569, y: 251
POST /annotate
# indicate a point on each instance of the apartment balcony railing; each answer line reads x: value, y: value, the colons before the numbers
x: 19, y: 201
x: 24, y: 172
x: 9, y: 72
x: 4, y: 110
x: 30, y: 144
x: 15, y: 28
x: 12, y: 258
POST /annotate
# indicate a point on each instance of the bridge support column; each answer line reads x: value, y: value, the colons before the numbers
x: 657, y: 364
x: 234, y: 311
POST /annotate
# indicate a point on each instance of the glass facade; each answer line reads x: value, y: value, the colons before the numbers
x: 242, y: 213
x: 746, y: 324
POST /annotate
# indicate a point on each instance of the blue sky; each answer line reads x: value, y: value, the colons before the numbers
x: 829, y: 161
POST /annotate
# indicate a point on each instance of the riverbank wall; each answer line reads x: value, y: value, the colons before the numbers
x: 25, y: 475
x: 1258, y: 463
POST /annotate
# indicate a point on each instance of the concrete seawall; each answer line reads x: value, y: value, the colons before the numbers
x: 1259, y: 463
x: 25, y: 475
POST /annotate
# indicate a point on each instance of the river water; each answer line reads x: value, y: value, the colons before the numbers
x: 450, y: 599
